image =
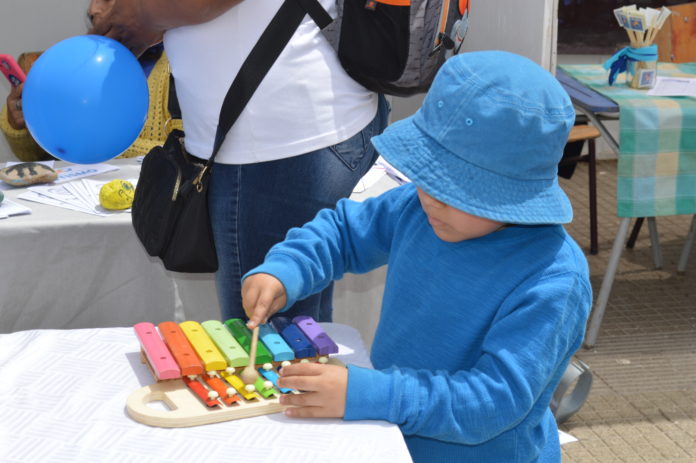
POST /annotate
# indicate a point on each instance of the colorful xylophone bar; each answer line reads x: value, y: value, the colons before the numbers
x: 205, y: 356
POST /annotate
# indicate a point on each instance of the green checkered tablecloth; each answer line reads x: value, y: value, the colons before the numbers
x: 657, y: 143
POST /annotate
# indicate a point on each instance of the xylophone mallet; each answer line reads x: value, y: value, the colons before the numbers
x: 249, y: 374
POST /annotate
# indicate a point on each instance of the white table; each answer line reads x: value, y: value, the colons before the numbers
x: 63, y: 269
x: 63, y: 398
x: 68, y: 269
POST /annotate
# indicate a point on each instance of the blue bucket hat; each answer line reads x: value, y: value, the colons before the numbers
x: 487, y: 139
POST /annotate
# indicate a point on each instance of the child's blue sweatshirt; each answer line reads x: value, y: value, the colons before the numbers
x: 473, y: 336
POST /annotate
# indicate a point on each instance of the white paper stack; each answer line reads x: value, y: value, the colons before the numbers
x: 674, y: 86
x: 78, y: 195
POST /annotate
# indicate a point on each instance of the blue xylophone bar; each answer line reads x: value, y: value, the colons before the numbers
x: 294, y: 337
x: 275, y: 343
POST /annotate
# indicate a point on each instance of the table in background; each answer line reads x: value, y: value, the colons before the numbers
x: 656, y: 158
x: 68, y: 269
x: 63, y: 397
x: 63, y: 269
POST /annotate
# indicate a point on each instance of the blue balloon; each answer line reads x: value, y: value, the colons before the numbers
x: 85, y: 99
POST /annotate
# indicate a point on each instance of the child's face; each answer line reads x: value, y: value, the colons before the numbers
x: 453, y: 225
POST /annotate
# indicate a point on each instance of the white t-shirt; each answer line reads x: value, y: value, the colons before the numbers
x: 306, y: 101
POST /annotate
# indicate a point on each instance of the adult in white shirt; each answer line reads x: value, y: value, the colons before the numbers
x: 300, y: 145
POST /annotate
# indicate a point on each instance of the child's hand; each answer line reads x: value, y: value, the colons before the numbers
x: 324, y: 390
x: 262, y: 296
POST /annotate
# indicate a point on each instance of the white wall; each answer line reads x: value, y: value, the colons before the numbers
x: 525, y: 27
x: 34, y: 25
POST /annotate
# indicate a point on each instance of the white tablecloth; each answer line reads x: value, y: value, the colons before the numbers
x: 63, y: 398
x: 63, y: 269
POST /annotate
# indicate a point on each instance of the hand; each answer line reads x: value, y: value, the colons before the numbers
x: 126, y: 21
x: 324, y: 390
x: 15, y: 115
x: 262, y: 296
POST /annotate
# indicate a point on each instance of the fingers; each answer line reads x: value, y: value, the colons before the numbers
x: 301, y: 383
x: 262, y: 296
x: 302, y: 377
x: 324, y: 390
x: 255, y: 306
x: 304, y: 399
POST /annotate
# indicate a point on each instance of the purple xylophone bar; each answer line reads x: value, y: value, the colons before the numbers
x: 317, y: 336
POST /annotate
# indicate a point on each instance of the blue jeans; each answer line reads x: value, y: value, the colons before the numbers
x: 252, y: 206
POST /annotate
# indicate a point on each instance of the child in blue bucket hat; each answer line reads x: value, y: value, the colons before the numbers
x: 486, y: 296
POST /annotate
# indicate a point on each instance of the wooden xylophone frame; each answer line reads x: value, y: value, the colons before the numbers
x: 185, y: 409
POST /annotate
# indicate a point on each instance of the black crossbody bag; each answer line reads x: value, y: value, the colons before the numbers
x: 170, y: 208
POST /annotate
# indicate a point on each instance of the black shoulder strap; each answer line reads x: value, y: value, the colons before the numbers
x: 172, y: 101
x: 256, y: 66
x: 317, y: 12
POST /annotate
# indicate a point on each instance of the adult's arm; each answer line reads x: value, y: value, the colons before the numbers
x: 139, y: 24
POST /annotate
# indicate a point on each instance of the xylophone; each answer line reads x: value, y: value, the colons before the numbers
x: 196, y: 367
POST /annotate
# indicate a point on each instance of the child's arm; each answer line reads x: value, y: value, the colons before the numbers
x: 355, y: 237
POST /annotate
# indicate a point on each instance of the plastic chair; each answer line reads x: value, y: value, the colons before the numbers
x: 566, y: 401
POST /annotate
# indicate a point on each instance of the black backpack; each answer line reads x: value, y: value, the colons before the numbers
x: 394, y: 47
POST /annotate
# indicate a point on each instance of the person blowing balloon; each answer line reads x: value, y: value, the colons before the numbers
x: 142, y: 34
x: 300, y: 144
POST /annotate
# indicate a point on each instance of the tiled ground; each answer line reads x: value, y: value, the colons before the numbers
x: 642, y: 407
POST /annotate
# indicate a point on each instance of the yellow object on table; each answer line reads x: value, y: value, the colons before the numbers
x: 117, y: 195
